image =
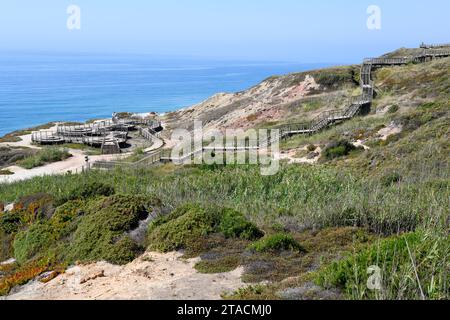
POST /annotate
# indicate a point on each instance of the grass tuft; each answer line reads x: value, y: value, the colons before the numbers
x: 43, y: 157
x: 277, y: 242
x: 412, y: 266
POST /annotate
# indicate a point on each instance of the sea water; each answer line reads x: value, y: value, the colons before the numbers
x: 40, y: 88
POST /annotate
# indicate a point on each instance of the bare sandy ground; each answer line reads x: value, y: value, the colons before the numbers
x: 73, y: 164
x: 360, y: 143
x: 392, y: 129
x: 153, y: 276
x: 25, y: 142
x: 382, y: 134
x: 292, y: 159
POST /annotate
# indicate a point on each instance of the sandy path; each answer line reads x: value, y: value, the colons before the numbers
x: 392, y: 129
x: 290, y: 155
x: 73, y: 164
x: 158, y: 144
x: 25, y: 142
x: 153, y: 276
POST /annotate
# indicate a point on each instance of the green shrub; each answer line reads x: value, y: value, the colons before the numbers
x: 234, y: 225
x: 277, y: 242
x: 35, y: 207
x: 67, y: 216
x: 68, y: 212
x: 100, y: 235
x: 311, y: 148
x: 34, y: 241
x: 6, y: 249
x: 399, y: 258
x: 175, y: 214
x: 191, y: 221
x: 87, y: 190
x: 184, y: 225
x: 393, y: 109
x: 123, y: 251
x: 225, y: 264
x: 44, y: 157
x: 336, y: 77
x: 338, y: 149
x: 85, y: 230
x: 10, y: 222
x: 391, y: 178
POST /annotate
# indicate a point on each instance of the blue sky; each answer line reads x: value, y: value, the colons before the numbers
x: 282, y: 30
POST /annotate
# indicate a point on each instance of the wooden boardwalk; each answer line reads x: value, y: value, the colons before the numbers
x: 363, y: 102
x: 109, y: 135
x: 357, y: 106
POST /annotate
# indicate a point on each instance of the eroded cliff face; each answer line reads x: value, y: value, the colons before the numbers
x: 277, y: 99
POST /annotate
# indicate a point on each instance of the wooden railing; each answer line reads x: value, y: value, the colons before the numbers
x: 317, y: 124
x: 433, y: 46
x: 45, y: 137
x: 387, y: 61
x: 148, y: 160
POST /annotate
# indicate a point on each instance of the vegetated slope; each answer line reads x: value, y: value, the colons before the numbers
x: 277, y: 99
x: 314, y: 230
x: 9, y: 156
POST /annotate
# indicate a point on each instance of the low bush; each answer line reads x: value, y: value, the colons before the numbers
x: 225, y: 264
x: 43, y: 157
x: 87, y: 190
x: 277, y: 242
x: 391, y: 178
x: 338, y: 149
x: 35, y: 241
x: 233, y: 224
x: 67, y: 217
x: 190, y: 222
x: 101, y: 233
x: 22, y: 276
x: 6, y: 249
x: 82, y: 230
x: 10, y: 222
x: 34, y: 207
x: 393, y: 109
x: 412, y: 266
x: 177, y: 230
x: 311, y: 148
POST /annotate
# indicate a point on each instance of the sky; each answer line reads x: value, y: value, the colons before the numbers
x: 259, y: 30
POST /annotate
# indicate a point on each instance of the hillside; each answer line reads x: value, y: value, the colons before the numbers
x: 275, y: 100
x: 376, y: 194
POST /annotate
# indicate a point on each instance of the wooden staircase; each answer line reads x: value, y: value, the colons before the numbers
x: 364, y: 101
x: 357, y: 106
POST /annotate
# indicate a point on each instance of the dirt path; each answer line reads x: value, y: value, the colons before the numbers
x: 73, y: 164
x: 153, y: 276
x: 392, y: 129
x: 290, y: 155
x: 25, y: 142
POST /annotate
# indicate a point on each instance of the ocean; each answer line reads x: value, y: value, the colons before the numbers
x: 40, y: 88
